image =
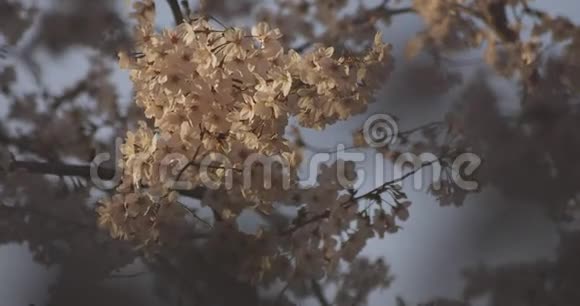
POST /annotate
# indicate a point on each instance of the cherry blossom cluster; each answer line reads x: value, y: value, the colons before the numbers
x: 227, y: 94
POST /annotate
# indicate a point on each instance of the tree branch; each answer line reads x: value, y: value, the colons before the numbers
x: 46, y: 215
x: 381, y: 10
x: 398, y: 11
x: 377, y: 191
x: 61, y: 169
x: 82, y: 171
x: 176, y: 11
x: 384, y: 186
x: 319, y: 294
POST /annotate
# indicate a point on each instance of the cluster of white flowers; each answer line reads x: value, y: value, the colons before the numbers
x: 228, y: 92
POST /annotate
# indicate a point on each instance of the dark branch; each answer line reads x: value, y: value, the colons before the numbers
x: 319, y: 294
x: 176, y: 11
x: 132, y: 275
x: 398, y: 11
x: 381, y: 10
x: 82, y: 171
x: 385, y: 186
x: 399, y: 135
x: 60, y: 169
x: 377, y: 191
x: 31, y: 211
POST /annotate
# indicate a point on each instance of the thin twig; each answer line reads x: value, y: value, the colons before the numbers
x: 397, y: 180
x: 386, y: 12
x: 401, y: 134
x: 131, y: 275
x: 354, y: 199
x: 194, y: 215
